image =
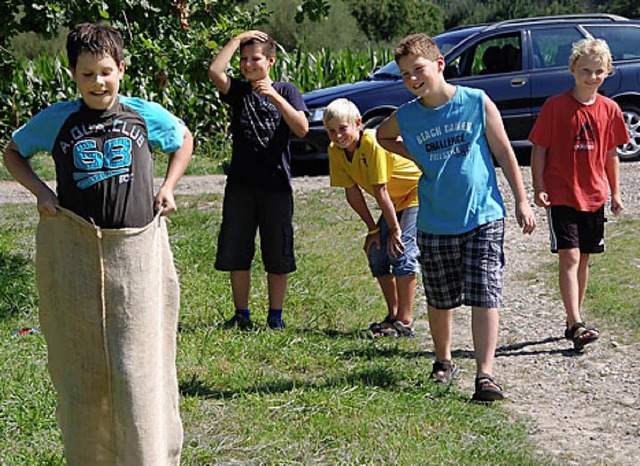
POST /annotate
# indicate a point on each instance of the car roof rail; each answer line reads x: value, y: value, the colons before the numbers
x: 559, y: 18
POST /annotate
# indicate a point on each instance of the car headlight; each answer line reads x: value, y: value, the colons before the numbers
x: 316, y: 115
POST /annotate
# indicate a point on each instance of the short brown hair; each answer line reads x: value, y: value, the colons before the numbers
x: 418, y: 44
x: 268, y: 46
x: 95, y: 38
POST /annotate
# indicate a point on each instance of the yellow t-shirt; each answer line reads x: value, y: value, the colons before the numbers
x: 373, y: 165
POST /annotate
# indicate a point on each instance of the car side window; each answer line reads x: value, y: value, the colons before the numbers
x: 494, y: 55
x: 552, y: 47
x: 624, y: 41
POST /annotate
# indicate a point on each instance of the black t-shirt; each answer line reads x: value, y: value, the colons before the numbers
x: 260, y: 155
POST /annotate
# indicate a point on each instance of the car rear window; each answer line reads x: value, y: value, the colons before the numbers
x: 624, y: 41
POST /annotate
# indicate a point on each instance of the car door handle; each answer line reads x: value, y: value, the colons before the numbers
x: 518, y: 82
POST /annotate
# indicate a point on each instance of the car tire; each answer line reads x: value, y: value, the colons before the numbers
x: 631, y: 114
x: 374, y: 121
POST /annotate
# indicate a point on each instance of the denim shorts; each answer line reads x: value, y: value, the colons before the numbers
x: 463, y: 269
x: 406, y: 263
x: 246, y: 210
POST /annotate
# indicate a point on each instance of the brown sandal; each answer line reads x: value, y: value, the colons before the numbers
x: 487, y: 390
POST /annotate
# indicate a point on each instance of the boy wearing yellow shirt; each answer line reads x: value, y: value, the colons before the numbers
x: 356, y: 163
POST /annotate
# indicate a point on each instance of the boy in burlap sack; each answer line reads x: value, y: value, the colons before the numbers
x: 108, y: 289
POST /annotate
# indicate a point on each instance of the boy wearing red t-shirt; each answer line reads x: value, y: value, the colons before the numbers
x: 574, y: 165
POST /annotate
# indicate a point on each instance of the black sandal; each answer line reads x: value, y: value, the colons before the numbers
x: 581, y: 334
x: 380, y: 329
x: 487, y: 390
x: 443, y: 372
x: 402, y: 330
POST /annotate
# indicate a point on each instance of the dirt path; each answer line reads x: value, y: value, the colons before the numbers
x: 581, y: 409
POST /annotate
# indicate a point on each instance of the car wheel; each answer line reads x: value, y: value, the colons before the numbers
x: 375, y: 121
x: 631, y: 151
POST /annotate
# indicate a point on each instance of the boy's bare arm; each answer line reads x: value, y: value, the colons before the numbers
x: 178, y: 162
x: 538, y: 161
x: 295, y: 119
x: 218, y: 67
x: 395, y: 245
x: 502, y: 151
x: 20, y: 168
x: 388, y: 136
x: 613, y: 176
x: 359, y: 205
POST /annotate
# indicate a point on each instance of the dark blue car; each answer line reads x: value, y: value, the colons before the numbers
x: 519, y: 64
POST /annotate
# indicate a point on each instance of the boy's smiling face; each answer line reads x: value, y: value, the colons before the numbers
x: 254, y: 64
x: 344, y: 133
x: 589, y: 72
x: 419, y: 74
x: 98, y: 79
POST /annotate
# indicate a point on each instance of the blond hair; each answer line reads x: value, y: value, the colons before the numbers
x: 420, y: 45
x: 597, y: 48
x: 341, y: 108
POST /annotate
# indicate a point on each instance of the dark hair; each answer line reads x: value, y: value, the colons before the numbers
x: 95, y: 38
x: 268, y: 46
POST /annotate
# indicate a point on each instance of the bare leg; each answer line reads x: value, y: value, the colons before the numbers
x: 583, y: 279
x: 277, y: 289
x: 240, y: 287
x: 406, y: 290
x: 484, y: 326
x: 440, y: 321
x: 569, y: 260
x: 390, y: 292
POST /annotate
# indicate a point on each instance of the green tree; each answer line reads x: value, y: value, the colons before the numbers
x: 388, y: 20
x: 169, y: 46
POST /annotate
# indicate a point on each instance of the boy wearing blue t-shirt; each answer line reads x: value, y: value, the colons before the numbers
x: 258, y: 194
x: 451, y: 132
x: 108, y: 290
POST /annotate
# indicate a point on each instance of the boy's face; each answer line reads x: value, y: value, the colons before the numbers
x: 419, y: 74
x: 344, y: 133
x: 98, y: 79
x: 589, y: 73
x: 254, y: 64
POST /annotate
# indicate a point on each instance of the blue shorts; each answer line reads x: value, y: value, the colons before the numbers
x: 570, y: 228
x: 406, y: 263
x: 246, y: 210
x: 463, y: 269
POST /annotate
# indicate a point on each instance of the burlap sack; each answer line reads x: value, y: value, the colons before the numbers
x: 109, y: 302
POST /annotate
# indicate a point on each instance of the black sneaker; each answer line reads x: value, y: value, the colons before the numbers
x: 238, y: 321
x: 275, y: 323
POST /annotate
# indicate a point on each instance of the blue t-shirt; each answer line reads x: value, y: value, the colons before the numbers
x: 260, y: 154
x: 104, y: 166
x: 458, y: 190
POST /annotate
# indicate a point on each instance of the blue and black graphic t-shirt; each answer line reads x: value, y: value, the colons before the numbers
x: 104, y: 167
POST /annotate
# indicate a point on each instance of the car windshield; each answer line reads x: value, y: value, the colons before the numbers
x: 446, y: 41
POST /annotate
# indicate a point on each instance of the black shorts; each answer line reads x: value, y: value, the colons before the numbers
x: 570, y: 228
x: 247, y: 210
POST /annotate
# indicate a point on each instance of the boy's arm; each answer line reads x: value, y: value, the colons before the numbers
x: 218, y: 67
x: 178, y: 162
x: 388, y: 136
x: 395, y: 245
x: 613, y: 175
x: 538, y: 161
x: 20, y: 168
x: 359, y: 205
x: 295, y: 119
x: 502, y: 151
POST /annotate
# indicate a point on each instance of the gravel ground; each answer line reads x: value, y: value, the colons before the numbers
x: 581, y: 409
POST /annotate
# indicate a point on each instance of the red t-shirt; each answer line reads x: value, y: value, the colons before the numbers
x: 577, y: 138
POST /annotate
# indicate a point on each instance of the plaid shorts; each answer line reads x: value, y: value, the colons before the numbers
x: 463, y: 269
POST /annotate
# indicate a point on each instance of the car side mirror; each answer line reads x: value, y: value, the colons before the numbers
x: 451, y: 71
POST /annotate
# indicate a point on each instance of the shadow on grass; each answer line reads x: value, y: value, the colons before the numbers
x: 379, y: 377
x: 17, y: 286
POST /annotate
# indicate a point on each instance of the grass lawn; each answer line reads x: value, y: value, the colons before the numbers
x: 321, y: 392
